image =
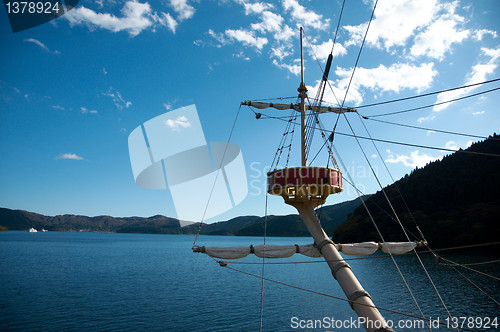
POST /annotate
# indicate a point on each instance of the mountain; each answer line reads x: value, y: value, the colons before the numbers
x: 455, y: 201
x: 290, y: 225
x: 23, y: 220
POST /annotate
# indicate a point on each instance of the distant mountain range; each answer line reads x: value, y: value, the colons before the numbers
x: 455, y: 201
x: 290, y: 225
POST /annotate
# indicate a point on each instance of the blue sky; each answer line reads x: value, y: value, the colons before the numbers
x: 72, y: 90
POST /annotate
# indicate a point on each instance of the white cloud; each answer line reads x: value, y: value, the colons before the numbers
x: 71, y: 156
x: 42, y: 45
x: 394, y: 23
x: 168, y: 107
x: 84, y: 110
x: 479, y: 34
x: 241, y: 55
x: 427, y: 118
x: 271, y: 22
x: 394, y: 78
x: 58, y: 107
x: 218, y: 37
x: 135, y: 18
x: 452, y: 145
x: 478, y: 113
x: 294, y: 68
x: 322, y: 51
x: 170, y: 22
x: 478, y: 74
x: 305, y: 17
x: 247, y: 38
x: 183, y: 9
x: 255, y: 8
x: 415, y: 159
x: 176, y: 124
x: 432, y: 26
x: 279, y: 52
x: 438, y: 38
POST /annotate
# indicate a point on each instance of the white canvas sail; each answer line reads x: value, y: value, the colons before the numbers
x: 274, y: 251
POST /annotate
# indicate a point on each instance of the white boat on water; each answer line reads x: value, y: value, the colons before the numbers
x: 32, y: 230
x: 44, y: 230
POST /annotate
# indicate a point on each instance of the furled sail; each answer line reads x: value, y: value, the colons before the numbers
x: 273, y: 251
x: 319, y: 109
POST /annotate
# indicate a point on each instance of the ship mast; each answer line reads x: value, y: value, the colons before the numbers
x: 305, y: 197
x: 302, y: 95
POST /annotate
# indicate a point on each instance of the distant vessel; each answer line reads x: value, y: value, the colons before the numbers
x: 44, y: 230
x: 32, y: 230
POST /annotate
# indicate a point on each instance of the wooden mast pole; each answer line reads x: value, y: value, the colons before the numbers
x: 302, y: 95
x: 360, y: 300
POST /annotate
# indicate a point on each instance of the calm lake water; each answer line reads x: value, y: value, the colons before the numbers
x: 128, y: 282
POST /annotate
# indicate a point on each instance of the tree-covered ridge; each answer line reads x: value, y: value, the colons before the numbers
x: 290, y: 225
x: 455, y: 201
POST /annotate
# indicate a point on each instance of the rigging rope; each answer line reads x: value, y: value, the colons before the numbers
x: 359, y: 54
x: 405, y: 144
x: 380, y: 233
x: 479, y: 288
x: 216, y: 176
x: 396, y: 215
x: 427, y: 94
x: 468, y: 268
x: 436, y: 104
x: 428, y: 129
x: 338, y: 298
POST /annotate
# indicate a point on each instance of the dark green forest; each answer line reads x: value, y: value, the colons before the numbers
x: 455, y: 201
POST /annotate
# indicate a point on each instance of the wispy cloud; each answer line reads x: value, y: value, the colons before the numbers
x: 117, y: 98
x: 179, y: 122
x: 135, y: 18
x: 71, y: 156
x: 58, y: 107
x: 394, y: 78
x: 271, y: 29
x: 407, y: 15
x: 427, y: 118
x: 41, y: 45
x: 322, y: 51
x: 292, y: 68
x: 246, y: 37
x: 84, y: 110
x: 479, y: 73
x: 479, y: 34
x: 439, y: 36
x: 478, y: 113
x: 183, y: 9
x: 415, y: 159
x: 305, y: 17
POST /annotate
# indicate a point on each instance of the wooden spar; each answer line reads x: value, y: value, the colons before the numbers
x: 305, y: 203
